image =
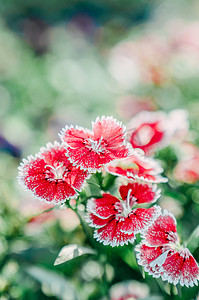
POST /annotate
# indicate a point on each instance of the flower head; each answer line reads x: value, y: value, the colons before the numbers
x: 187, y: 169
x: 129, y: 290
x: 90, y: 150
x: 117, y: 221
x: 150, y: 131
x: 50, y: 176
x: 161, y: 254
x: 137, y: 166
x: 147, y: 131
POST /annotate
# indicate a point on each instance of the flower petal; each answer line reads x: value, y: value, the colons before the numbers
x: 182, y: 268
x: 111, y: 130
x: 111, y: 234
x: 139, y: 219
x: 146, y: 255
x: 95, y: 221
x: 162, y: 231
x: 103, y: 207
x: 137, y: 167
x: 141, y: 192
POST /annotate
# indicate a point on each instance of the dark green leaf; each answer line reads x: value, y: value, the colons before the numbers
x: 53, y: 283
x: 193, y: 241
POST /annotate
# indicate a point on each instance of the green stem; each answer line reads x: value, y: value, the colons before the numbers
x: 28, y: 219
x: 85, y: 228
x: 105, y: 283
x: 92, y: 242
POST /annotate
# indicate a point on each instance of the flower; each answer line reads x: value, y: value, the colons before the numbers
x: 117, y: 221
x: 185, y: 37
x: 161, y: 254
x: 137, y: 166
x: 50, y: 176
x: 150, y: 131
x: 142, y: 60
x: 129, y: 290
x: 187, y: 169
x: 147, y: 131
x: 90, y: 150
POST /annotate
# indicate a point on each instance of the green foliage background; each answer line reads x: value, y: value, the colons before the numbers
x: 53, y: 72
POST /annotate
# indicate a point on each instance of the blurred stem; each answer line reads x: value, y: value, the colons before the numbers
x: 103, y: 258
x: 28, y: 219
x: 85, y: 228
x: 104, y: 278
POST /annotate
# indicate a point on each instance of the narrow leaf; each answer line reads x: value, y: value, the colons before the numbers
x: 193, y: 241
x: 153, y: 298
x: 72, y: 251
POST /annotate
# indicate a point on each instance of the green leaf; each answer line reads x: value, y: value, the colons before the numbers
x: 153, y: 298
x: 53, y: 283
x: 193, y: 241
x: 72, y: 251
x: 164, y: 286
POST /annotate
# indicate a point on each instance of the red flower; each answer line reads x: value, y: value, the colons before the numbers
x: 90, y: 150
x: 161, y: 254
x: 116, y: 220
x: 50, y: 176
x: 147, y: 131
x: 137, y: 166
x: 150, y: 131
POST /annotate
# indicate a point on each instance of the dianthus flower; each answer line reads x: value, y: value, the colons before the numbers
x: 50, y: 176
x: 137, y: 166
x: 129, y: 290
x: 117, y: 221
x: 150, y: 131
x: 187, y: 169
x: 161, y: 254
x: 90, y: 150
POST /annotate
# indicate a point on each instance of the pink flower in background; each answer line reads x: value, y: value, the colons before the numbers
x: 129, y: 290
x: 153, y: 53
x: 177, y: 125
x: 50, y: 176
x: 117, y: 221
x: 137, y: 166
x: 150, y: 131
x: 187, y: 169
x: 91, y: 150
x: 161, y: 254
x: 143, y: 60
x: 128, y: 106
x: 185, y: 37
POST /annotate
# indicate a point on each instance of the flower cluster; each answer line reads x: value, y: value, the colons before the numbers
x: 60, y: 170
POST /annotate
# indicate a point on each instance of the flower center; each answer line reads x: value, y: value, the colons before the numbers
x: 96, y: 146
x: 54, y: 173
x: 160, y: 260
x: 125, y: 207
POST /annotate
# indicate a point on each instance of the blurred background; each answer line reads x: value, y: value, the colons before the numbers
x: 66, y: 62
